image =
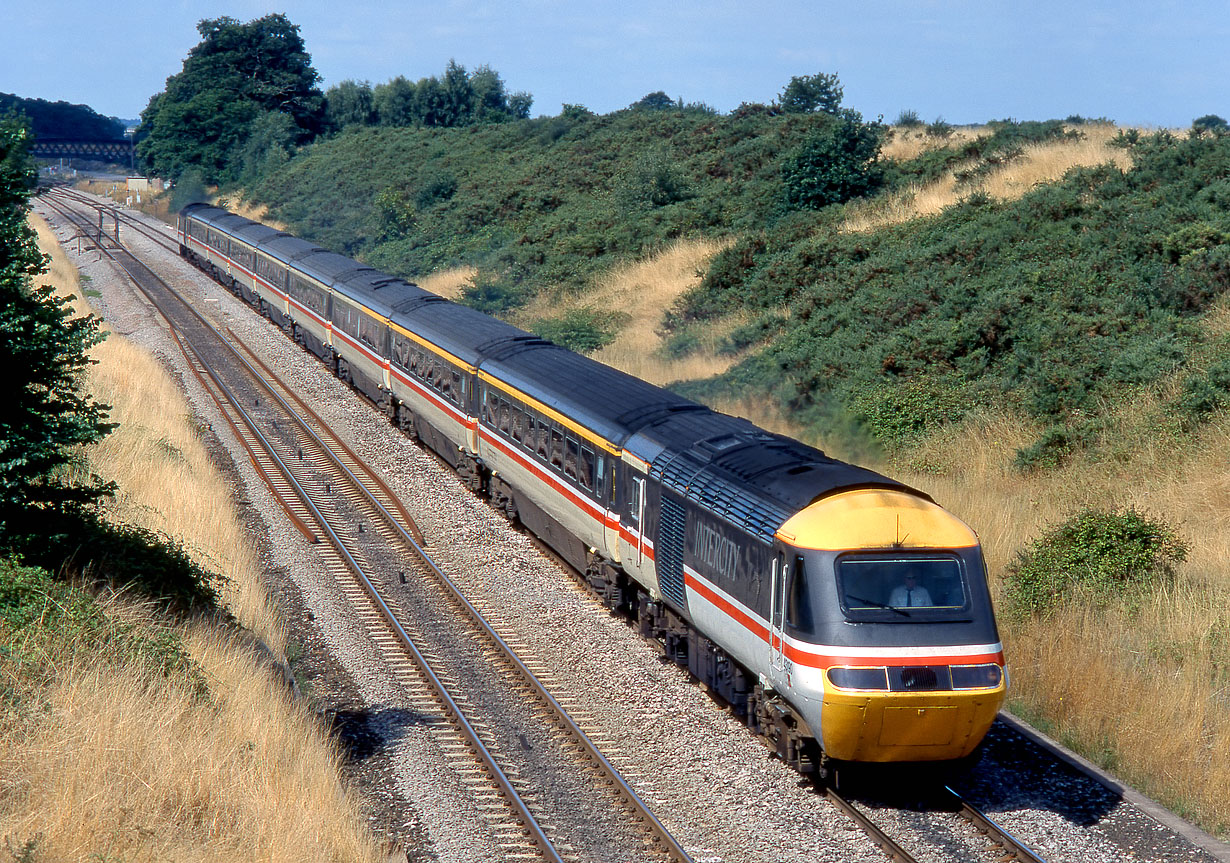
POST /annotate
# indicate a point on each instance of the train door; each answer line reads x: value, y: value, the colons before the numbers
x: 777, y: 615
x: 604, y: 485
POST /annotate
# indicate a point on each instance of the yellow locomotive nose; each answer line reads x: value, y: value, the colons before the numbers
x: 907, y: 726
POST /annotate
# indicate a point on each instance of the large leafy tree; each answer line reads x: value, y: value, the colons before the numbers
x: 46, y: 416
x: 235, y: 75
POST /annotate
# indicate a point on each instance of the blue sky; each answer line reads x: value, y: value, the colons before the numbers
x: 1141, y: 63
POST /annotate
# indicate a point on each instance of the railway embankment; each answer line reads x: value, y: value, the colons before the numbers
x: 132, y: 733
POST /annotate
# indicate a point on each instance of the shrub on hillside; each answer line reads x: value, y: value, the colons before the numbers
x: 834, y: 164
x: 909, y: 119
x: 1206, y: 392
x: 581, y: 330
x: 654, y: 180
x: 904, y: 412
x: 41, y: 618
x: 1094, y: 556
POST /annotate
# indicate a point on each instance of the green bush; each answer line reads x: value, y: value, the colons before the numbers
x: 1205, y: 393
x: 434, y: 186
x: 834, y: 164
x: 909, y: 119
x: 581, y: 330
x: 41, y: 616
x: 1094, y: 556
x: 904, y: 412
x: 1055, y: 446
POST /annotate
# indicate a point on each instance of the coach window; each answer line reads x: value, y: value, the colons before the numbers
x: 600, y: 475
x: 570, y: 457
x: 557, y: 449
x: 544, y: 440
x: 585, y: 469
x: 518, y: 424
x: 459, y: 385
x: 488, y: 409
x: 504, y: 416
x: 401, y: 351
x: 368, y: 331
x: 634, y: 502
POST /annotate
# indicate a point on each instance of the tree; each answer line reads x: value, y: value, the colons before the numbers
x: 806, y: 94
x: 349, y: 103
x: 834, y: 164
x: 234, y: 75
x: 46, y: 416
x: 394, y: 102
x: 62, y: 120
x: 270, y: 144
x: 1210, y: 123
x: 656, y: 101
x: 460, y: 98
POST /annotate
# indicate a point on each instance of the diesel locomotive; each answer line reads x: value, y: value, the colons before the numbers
x: 842, y: 614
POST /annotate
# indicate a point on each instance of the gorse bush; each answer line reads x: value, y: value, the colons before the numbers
x: 1206, y: 392
x: 1048, y: 304
x: 1094, y: 556
x: 581, y: 330
x: 905, y: 413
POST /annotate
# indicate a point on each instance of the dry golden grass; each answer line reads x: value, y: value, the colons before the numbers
x: 448, y: 283
x: 128, y: 767
x: 255, y: 212
x: 1141, y: 689
x: 911, y: 143
x: 639, y: 293
x: 1041, y: 163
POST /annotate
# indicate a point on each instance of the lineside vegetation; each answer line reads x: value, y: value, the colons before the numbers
x: 137, y: 721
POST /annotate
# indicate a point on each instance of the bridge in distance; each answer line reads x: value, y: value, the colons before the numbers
x: 120, y: 152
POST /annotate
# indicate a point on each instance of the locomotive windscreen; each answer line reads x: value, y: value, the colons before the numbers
x: 902, y: 586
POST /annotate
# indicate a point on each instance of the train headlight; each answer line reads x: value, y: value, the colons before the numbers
x: 976, y: 676
x: 859, y: 678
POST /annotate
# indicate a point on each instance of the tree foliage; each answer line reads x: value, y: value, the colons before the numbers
x: 835, y: 163
x: 46, y: 416
x: 237, y: 74
x: 62, y: 120
x: 1211, y: 124
x: 349, y: 103
x: 807, y: 93
x: 655, y: 101
x: 458, y: 98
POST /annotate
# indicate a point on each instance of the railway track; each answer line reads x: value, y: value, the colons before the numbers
x: 1000, y: 844
x: 544, y: 787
